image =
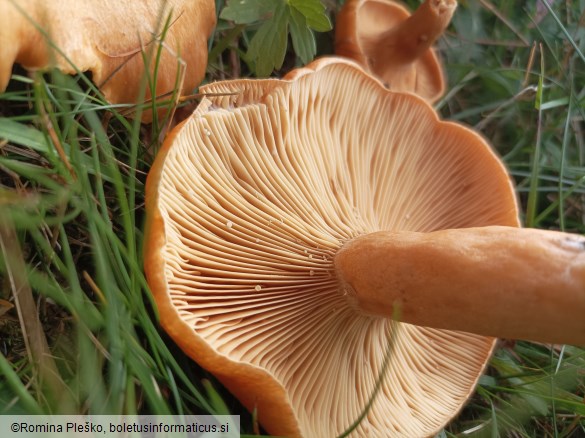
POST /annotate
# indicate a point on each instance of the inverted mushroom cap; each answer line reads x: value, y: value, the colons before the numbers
x: 248, y: 202
x: 106, y: 37
x: 383, y: 37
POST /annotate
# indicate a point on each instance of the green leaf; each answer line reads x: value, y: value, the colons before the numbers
x: 303, y: 39
x: 219, y: 406
x: 23, y: 135
x: 268, y: 45
x: 314, y: 13
x: 488, y: 381
x: 248, y: 11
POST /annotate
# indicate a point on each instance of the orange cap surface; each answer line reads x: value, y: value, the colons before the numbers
x: 106, y: 37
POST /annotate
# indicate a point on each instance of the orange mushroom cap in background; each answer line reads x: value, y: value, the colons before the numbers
x: 248, y: 203
x: 106, y: 37
x: 395, y: 46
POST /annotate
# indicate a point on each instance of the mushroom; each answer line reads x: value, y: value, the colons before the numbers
x: 393, y: 45
x: 278, y: 215
x: 106, y: 37
x: 497, y: 281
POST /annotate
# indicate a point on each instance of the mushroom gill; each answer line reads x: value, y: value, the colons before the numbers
x: 248, y: 203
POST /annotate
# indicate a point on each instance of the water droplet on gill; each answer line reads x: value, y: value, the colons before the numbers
x: 229, y: 224
x: 258, y: 288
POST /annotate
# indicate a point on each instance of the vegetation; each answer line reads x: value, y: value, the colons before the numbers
x: 78, y: 330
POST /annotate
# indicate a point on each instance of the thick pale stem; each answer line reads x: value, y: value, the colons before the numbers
x: 496, y: 281
x: 403, y: 44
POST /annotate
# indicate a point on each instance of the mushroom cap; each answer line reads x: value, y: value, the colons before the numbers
x: 105, y: 37
x: 360, y: 20
x: 247, y: 203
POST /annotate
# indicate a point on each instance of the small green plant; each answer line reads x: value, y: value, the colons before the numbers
x: 273, y: 20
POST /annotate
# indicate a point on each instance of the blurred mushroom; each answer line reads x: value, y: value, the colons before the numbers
x: 106, y: 37
x: 255, y: 206
x: 395, y: 46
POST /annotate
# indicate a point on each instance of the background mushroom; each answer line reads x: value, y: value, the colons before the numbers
x: 395, y: 46
x: 248, y: 204
x: 107, y: 37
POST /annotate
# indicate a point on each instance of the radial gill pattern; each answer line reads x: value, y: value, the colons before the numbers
x: 256, y: 193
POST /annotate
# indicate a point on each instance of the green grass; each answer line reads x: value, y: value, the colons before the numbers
x: 72, y: 173
x: 80, y: 228
x: 517, y: 75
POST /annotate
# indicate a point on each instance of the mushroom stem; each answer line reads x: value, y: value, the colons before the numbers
x: 496, y: 281
x: 406, y: 42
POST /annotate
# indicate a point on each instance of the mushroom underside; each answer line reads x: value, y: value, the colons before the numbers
x: 255, y: 195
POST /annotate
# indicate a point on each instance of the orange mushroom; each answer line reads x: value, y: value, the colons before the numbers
x: 495, y: 281
x: 106, y: 38
x: 288, y: 224
x: 393, y: 45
